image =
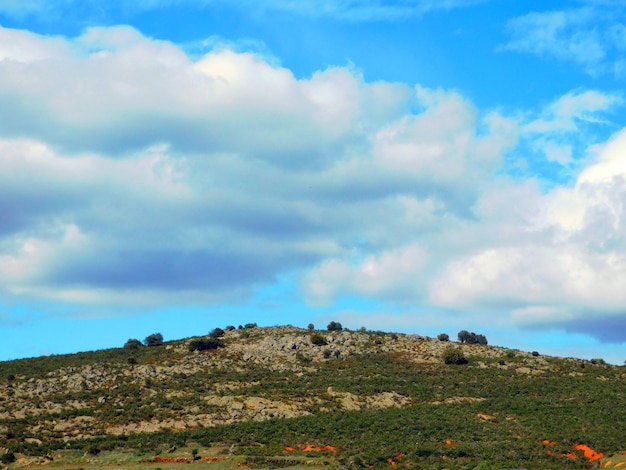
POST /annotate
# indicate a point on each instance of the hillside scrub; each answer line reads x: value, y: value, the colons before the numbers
x: 380, y: 397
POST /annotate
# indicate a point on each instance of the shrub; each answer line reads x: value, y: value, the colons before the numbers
x: 250, y: 325
x: 598, y: 361
x: 443, y: 337
x: 230, y: 328
x: 155, y: 339
x: 9, y: 457
x: 205, y: 344
x: 535, y: 353
x: 453, y: 355
x: 217, y: 333
x: 334, y: 326
x: 132, y: 344
x: 318, y: 340
x: 311, y: 327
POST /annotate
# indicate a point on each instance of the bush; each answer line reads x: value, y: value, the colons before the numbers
x: 453, y: 355
x: 443, y: 337
x: 155, y: 339
x: 9, y: 457
x: 250, y: 325
x: 311, y: 327
x: 318, y: 340
x: 217, y: 333
x: 334, y: 326
x: 132, y: 344
x: 535, y: 353
x: 205, y: 344
x: 230, y: 328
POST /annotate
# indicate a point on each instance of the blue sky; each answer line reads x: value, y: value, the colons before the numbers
x: 417, y: 166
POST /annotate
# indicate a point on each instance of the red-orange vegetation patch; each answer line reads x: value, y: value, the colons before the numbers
x: 393, y: 460
x: 589, y: 452
x: 450, y: 443
x: 160, y: 459
x: 312, y: 448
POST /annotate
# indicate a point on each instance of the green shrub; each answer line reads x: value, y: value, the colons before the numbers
x: 132, y: 344
x: 250, y: 325
x: 452, y: 355
x: 9, y: 457
x: 443, y: 337
x: 155, y: 339
x: 311, y: 327
x: 205, y: 344
x: 318, y: 340
x: 334, y: 326
x: 217, y: 333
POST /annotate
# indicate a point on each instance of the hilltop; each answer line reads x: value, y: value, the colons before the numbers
x: 284, y: 396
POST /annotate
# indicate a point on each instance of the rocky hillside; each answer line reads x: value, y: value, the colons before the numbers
x: 278, y: 373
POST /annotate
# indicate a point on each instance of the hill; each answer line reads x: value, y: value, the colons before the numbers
x: 285, y: 396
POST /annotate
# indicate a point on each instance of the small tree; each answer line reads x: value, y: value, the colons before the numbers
x: 471, y: 338
x: 443, y: 337
x: 334, y: 326
x: 155, y: 339
x: 452, y: 355
x: 463, y: 336
x: 132, y: 344
x: 311, y: 327
x: 230, y: 328
x: 216, y: 333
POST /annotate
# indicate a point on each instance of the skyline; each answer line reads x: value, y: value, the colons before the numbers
x: 421, y: 167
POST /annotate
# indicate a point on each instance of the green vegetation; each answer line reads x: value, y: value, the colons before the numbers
x: 483, y: 414
x: 205, y: 344
x: 334, y: 326
x: 318, y: 340
x: 465, y: 336
x: 155, y: 339
x: 453, y: 355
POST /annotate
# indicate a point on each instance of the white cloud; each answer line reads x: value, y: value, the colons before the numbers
x: 590, y: 36
x: 132, y: 173
x: 569, y: 262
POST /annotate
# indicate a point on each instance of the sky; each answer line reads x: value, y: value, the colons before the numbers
x: 416, y: 166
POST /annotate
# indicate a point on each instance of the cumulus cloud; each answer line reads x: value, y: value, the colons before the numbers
x: 132, y: 173
x: 590, y: 36
x: 132, y: 170
x: 569, y: 264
